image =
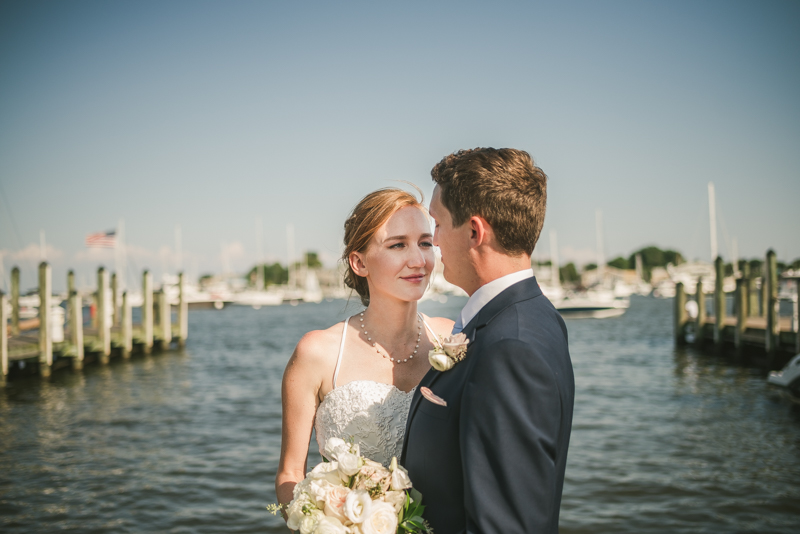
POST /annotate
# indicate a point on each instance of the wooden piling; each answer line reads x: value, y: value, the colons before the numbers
x: 147, y: 311
x: 70, y: 281
x: 165, y: 319
x: 3, y: 340
x: 183, y: 313
x: 680, y: 314
x: 795, y: 317
x: 76, y: 327
x: 771, y: 276
x: 45, y: 318
x: 15, y: 301
x: 127, y: 326
x: 699, y: 330
x: 752, y: 293
x: 742, y: 302
x: 114, y: 300
x: 719, y: 300
x: 103, y: 319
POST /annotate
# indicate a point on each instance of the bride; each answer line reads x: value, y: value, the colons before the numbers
x: 357, y: 377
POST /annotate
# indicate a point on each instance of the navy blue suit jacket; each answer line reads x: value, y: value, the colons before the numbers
x: 493, y: 459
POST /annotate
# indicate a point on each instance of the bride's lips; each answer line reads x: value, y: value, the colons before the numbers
x: 414, y: 278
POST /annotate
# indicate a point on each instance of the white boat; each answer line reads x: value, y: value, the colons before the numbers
x: 592, y: 304
x: 788, y: 378
x: 257, y: 299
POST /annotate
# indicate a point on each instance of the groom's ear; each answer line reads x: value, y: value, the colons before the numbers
x: 479, y: 229
x: 357, y: 264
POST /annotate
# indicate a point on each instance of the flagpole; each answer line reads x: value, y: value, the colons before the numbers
x: 120, y: 256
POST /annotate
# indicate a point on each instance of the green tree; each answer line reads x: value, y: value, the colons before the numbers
x: 569, y: 273
x: 312, y: 260
x: 655, y: 257
x: 274, y: 274
x: 619, y: 263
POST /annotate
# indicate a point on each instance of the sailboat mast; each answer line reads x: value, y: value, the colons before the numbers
x: 712, y: 218
x: 555, y: 279
x: 601, y: 263
x: 259, y: 259
x: 290, y: 253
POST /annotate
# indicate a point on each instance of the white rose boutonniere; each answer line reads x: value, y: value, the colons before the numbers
x: 449, y: 352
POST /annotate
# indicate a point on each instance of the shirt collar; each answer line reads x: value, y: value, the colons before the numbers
x: 487, y: 292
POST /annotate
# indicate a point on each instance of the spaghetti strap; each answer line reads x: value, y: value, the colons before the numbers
x: 428, y: 326
x: 341, y: 351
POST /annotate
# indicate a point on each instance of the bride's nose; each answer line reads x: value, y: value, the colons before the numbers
x: 416, y: 257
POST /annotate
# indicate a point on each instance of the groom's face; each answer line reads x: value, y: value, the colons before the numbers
x: 453, y: 242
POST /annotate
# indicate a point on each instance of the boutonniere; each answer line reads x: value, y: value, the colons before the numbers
x: 448, y: 352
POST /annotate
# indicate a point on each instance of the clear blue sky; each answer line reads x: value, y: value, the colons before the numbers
x: 209, y: 115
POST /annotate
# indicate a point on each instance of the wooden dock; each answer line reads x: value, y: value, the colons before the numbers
x: 111, y: 333
x: 756, y: 322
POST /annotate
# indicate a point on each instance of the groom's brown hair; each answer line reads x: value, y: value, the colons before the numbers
x: 503, y: 186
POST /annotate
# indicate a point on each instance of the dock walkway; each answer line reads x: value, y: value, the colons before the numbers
x: 111, y: 332
x: 756, y: 321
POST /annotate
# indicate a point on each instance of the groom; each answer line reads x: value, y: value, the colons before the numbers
x: 486, y: 441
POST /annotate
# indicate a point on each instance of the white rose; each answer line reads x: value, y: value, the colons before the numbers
x: 294, y: 512
x: 382, y: 519
x: 309, y: 523
x: 330, y: 525
x: 325, y: 471
x: 334, y: 502
x: 332, y: 446
x: 300, y: 487
x: 396, y: 499
x: 440, y: 361
x: 400, y: 479
x: 319, y: 489
x: 349, y: 463
x: 357, y: 505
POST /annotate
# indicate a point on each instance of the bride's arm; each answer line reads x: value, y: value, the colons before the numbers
x: 302, y: 380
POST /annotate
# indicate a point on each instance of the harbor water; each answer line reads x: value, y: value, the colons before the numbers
x: 664, y: 440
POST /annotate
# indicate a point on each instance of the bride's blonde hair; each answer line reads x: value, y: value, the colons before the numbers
x: 367, y: 217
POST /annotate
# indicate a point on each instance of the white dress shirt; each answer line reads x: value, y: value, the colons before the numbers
x: 486, y: 293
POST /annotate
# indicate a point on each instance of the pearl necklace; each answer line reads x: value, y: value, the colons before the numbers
x: 386, y: 354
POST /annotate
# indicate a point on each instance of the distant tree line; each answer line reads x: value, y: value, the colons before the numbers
x: 277, y: 274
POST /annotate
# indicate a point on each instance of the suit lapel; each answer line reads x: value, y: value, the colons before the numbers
x: 429, y: 379
x: 523, y: 290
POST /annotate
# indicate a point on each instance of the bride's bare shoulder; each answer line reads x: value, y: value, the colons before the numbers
x: 319, y: 346
x: 441, y: 325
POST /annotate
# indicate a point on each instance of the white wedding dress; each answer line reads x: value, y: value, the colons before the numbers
x: 374, y: 414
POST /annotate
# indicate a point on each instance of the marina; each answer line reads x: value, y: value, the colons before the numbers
x: 109, y: 331
x: 666, y: 439
x: 749, y: 318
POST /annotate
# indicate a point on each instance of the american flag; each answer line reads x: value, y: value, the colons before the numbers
x: 102, y: 239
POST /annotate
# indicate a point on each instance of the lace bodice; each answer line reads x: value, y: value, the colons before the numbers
x: 373, y: 413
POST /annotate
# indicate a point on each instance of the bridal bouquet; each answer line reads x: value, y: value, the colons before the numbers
x: 351, y: 494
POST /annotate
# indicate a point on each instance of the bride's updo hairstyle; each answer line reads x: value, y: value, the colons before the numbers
x: 367, y: 217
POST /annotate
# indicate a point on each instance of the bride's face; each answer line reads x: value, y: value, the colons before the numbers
x: 399, y: 259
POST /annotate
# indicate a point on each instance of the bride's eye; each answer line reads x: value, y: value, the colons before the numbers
x: 398, y: 245
x: 426, y: 244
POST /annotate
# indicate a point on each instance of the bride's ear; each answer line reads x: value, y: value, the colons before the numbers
x: 357, y: 263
